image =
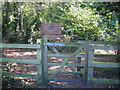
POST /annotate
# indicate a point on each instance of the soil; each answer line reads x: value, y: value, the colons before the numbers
x: 31, y: 69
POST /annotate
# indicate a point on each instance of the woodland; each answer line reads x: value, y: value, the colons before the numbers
x: 97, y: 21
x: 94, y: 21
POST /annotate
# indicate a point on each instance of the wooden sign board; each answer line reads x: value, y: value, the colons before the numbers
x: 52, y: 37
x: 50, y: 28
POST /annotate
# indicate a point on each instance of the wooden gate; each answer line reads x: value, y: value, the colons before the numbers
x: 78, y: 68
x: 84, y: 52
x: 82, y: 70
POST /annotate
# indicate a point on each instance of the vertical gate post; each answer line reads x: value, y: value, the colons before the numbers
x: 39, y: 66
x: 85, y: 76
x: 45, y: 62
x: 88, y: 69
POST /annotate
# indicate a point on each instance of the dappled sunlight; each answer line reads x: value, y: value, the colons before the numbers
x: 27, y: 54
x: 10, y: 50
x: 105, y: 52
x: 53, y: 68
x: 32, y: 72
x: 74, y: 42
x: 30, y: 53
x: 17, y: 54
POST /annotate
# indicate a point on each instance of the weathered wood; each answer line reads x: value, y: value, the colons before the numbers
x: 104, y: 43
x: 54, y: 44
x: 65, y: 72
x: 105, y: 47
x: 9, y: 74
x: 28, y: 61
x: 64, y: 55
x: 67, y: 80
x: 50, y: 28
x: 100, y: 42
x: 70, y: 64
x: 32, y: 46
x: 39, y: 67
x: 52, y: 37
x: 63, y: 64
x: 74, y: 45
x: 39, y: 73
x: 105, y: 65
x: 45, y: 62
x: 63, y: 44
x: 83, y: 55
x: 55, y: 50
x: 90, y: 69
x: 106, y: 81
x: 107, y: 56
x: 86, y: 61
x: 42, y: 49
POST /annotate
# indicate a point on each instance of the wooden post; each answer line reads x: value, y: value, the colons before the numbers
x: 85, y: 76
x: 90, y: 68
x: 45, y: 63
x: 39, y: 66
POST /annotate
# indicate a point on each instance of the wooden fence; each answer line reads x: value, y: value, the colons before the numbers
x: 89, y: 63
x: 42, y: 60
x: 25, y: 61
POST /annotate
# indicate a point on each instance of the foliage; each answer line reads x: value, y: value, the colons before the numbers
x: 81, y: 23
x: 110, y: 19
x: 21, y: 21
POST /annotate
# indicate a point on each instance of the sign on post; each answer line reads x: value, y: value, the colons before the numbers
x: 51, y: 30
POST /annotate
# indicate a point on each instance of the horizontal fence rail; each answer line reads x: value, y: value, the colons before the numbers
x: 64, y: 44
x: 65, y: 72
x: 100, y: 42
x: 92, y: 64
x: 58, y: 64
x: 106, y: 56
x: 27, y: 61
x: 67, y: 80
x: 92, y: 46
x: 83, y: 55
x: 9, y: 74
x: 105, y: 65
x: 105, y: 47
x: 27, y: 46
x: 65, y: 55
x: 108, y: 81
x: 24, y: 61
x: 89, y: 65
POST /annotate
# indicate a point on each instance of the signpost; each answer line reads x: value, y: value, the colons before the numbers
x: 51, y: 30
